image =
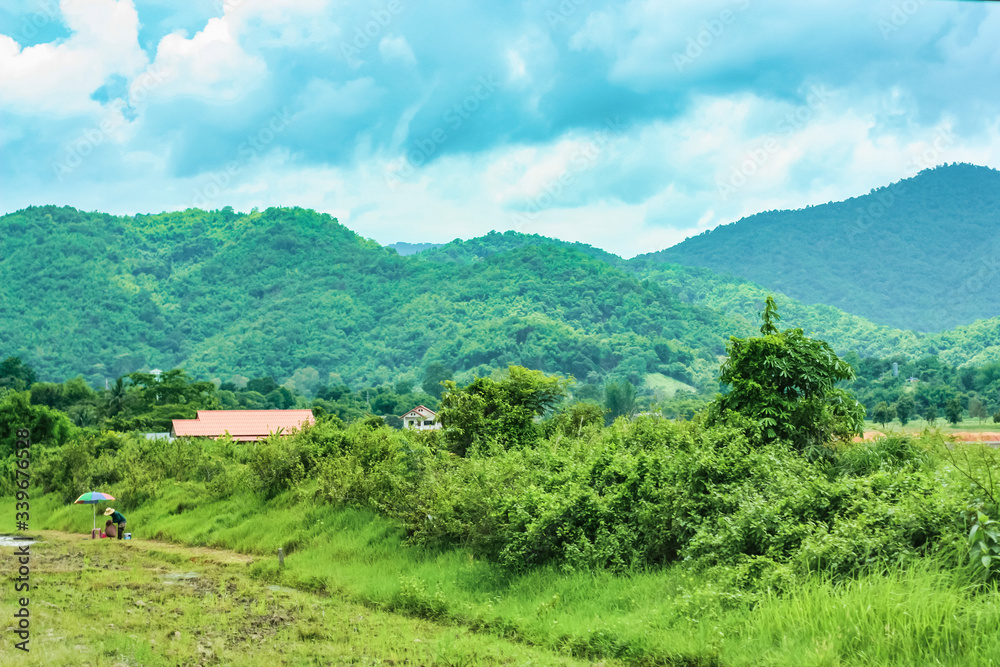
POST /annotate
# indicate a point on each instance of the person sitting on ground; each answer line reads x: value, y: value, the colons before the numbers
x: 110, y: 529
x: 118, y: 519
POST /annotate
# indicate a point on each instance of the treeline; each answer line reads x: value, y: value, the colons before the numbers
x: 148, y: 402
x: 925, y: 389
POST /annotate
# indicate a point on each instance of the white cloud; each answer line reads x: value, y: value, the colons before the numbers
x: 211, y: 65
x: 59, y: 78
x: 396, y: 50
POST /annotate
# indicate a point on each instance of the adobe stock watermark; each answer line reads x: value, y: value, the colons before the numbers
x: 711, y: 30
x: 47, y: 13
x: 899, y: 16
x: 885, y: 198
x: 453, y: 119
x: 89, y: 139
x: 583, y: 158
x: 562, y: 12
x: 364, y: 35
x: 216, y: 182
x: 755, y: 159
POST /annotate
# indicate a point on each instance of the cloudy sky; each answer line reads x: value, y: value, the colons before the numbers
x: 629, y: 125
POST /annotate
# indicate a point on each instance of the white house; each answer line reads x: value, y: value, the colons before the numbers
x: 421, y: 418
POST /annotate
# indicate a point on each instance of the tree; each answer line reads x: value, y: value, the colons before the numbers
x: 785, y: 383
x: 996, y: 417
x: 498, y: 413
x: 930, y: 414
x: 434, y: 376
x: 953, y: 409
x: 44, y: 424
x: 883, y: 413
x: 263, y: 385
x: 15, y: 374
x: 905, y: 408
x: 977, y: 410
x: 619, y: 400
x: 117, y: 396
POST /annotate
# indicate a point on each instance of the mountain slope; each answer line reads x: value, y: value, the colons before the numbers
x: 288, y: 290
x: 922, y: 254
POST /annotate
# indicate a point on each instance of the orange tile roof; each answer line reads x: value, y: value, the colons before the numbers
x: 242, y: 424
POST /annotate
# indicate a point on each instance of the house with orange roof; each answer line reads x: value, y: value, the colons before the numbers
x: 421, y: 418
x: 241, y: 425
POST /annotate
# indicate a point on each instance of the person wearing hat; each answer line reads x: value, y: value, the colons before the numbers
x: 117, y: 519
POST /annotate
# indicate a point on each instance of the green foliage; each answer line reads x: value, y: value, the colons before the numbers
x: 953, y: 410
x: 619, y: 400
x: 498, y: 413
x: 984, y: 545
x: 574, y: 419
x: 434, y: 377
x: 15, y: 374
x: 904, y: 408
x: 883, y: 413
x: 47, y: 426
x: 785, y: 384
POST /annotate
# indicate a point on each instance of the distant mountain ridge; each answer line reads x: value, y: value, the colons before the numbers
x: 921, y: 254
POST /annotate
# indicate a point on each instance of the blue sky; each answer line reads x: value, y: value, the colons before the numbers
x: 628, y: 125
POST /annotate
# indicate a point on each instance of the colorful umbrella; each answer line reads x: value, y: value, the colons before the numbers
x: 92, y: 498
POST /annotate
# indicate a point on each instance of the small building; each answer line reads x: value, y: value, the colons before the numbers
x: 241, y: 425
x: 421, y: 418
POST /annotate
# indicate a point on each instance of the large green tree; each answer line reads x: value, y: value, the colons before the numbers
x: 498, y: 413
x: 953, y: 409
x: 15, y: 374
x: 619, y: 400
x: 785, y: 382
x: 44, y: 424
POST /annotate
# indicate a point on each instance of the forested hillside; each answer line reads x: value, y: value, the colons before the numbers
x: 922, y: 254
x: 291, y: 293
x: 289, y: 290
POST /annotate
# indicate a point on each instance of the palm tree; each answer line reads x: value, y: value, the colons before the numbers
x: 117, y: 396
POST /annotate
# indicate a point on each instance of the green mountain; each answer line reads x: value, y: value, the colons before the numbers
x: 921, y: 254
x: 293, y: 294
x: 288, y: 291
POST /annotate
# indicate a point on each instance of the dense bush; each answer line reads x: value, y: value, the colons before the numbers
x: 635, y: 494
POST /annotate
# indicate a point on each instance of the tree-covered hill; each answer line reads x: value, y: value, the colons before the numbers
x: 922, y: 254
x: 291, y: 293
x: 289, y: 290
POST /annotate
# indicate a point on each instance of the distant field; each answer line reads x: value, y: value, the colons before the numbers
x: 946, y: 427
x: 665, y: 387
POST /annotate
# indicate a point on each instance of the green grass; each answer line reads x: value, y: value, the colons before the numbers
x: 111, y: 603
x: 923, y: 614
x: 917, y: 426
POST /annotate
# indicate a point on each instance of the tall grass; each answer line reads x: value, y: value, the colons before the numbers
x: 922, y: 613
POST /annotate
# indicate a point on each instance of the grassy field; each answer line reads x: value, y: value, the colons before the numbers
x: 665, y: 387
x: 917, y: 426
x: 922, y: 615
x: 118, y: 603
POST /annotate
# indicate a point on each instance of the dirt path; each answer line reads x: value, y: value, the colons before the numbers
x: 194, y: 554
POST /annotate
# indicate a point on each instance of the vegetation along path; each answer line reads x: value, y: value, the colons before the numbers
x: 145, y: 602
